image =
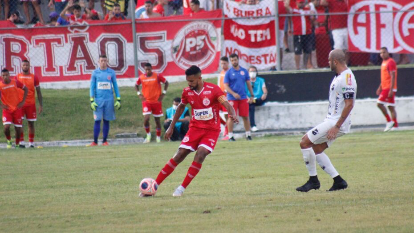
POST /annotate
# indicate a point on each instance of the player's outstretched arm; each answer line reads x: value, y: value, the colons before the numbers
x: 40, y: 99
x: 231, y: 112
x: 177, y: 115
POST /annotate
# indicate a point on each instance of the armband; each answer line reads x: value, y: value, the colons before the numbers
x: 348, y: 96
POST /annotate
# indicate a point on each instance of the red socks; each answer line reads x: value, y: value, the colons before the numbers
x: 17, y: 141
x: 395, y: 122
x: 147, y: 129
x: 21, y: 135
x: 8, y: 137
x: 192, y: 172
x: 166, y: 171
x: 158, y: 132
x: 31, y: 137
x: 388, y: 118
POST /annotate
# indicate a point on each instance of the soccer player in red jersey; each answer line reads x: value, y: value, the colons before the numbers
x: 29, y: 109
x: 205, y: 99
x: 151, y: 98
x: 12, y: 104
x: 387, y: 89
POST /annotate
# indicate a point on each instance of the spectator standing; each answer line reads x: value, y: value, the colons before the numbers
x: 302, y: 30
x: 339, y: 23
x: 151, y: 98
x: 259, y: 92
x: 148, y: 13
x: 224, y: 64
x: 115, y: 14
x: 32, y: 83
x: 103, y: 85
x: 181, y: 127
x: 68, y: 13
x: 387, y: 89
x: 77, y: 13
x: 11, y: 103
x: 235, y: 80
x: 37, y: 9
x: 59, y: 5
x: 195, y: 7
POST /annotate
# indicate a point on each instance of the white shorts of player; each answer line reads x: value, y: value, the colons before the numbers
x: 340, y: 37
x: 317, y: 135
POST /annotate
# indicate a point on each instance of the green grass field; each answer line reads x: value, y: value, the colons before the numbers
x: 242, y: 187
x: 67, y: 114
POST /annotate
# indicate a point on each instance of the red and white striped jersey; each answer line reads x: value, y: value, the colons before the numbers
x: 301, y: 21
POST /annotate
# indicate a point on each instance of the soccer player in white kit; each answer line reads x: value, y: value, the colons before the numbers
x: 342, y: 95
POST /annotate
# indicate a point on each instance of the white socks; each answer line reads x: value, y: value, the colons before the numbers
x: 230, y: 134
x: 326, y: 165
x: 248, y: 133
x: 310, y: 160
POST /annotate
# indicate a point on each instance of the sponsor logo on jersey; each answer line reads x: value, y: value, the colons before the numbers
x: 186, y: 139
x: 207, y: 92
x: 109, y: 77
x: 190, y: 93
x: 203, y: 114
x: 206, y: 101
x: 104, y: 86
x: 242, y: 72
x: 348, y: 79
x: 195, y: 44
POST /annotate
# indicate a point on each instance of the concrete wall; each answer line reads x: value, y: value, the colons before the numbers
x: 275, y: 115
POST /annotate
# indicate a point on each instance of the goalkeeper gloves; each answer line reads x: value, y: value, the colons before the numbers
x: 118, y: 103
x: 93, y: 104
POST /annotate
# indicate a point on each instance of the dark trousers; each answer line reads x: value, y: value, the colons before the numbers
x: 178, y: 135
x: 259, y: 102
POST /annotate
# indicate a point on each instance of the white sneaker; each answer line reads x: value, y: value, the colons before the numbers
x: 158, y: 139
x: 395, y: 128
x: 179, y: 191
x: 254, y: 129
x: 148, y: 138
x: 388, y: 126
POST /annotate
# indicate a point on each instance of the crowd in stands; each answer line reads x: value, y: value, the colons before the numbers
x: 309, y: 27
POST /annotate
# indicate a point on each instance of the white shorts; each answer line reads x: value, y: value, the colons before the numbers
x: 317, y: 135
x: 340, y: 37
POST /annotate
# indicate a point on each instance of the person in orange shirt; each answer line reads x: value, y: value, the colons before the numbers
x: 12, y: 104
x: 387, y: 89
x: 151, y: 98
x: 224, y: 64
x: 29, y: 109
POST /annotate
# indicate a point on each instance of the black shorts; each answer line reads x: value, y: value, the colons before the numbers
x: 302, y: 43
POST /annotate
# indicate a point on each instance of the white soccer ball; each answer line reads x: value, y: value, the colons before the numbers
x: 148, y: 186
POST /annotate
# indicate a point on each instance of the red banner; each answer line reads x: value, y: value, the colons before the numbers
x: 71, y: 53
x: 253, y: 39
x: 368, y: 32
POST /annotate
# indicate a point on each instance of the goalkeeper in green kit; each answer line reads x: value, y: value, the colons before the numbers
x: 103, y: 83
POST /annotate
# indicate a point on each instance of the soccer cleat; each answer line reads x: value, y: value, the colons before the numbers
x: 179, y: 191
x: 309, y: 185
x: 232, y: 139
x: 158, y: 139
x: 9, y: 144
x: 225, y: 138
x: 255, y: 129
x: 105, y: 144
x: 389, y: 126
x: 32, y: 146
x: 22, y: 146
x: 148, y: 138
x: 93, y: 144
x: 338, y: 186
x: 249, y: 138
x: 395, y: 128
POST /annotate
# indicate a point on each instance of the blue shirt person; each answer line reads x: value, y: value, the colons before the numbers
x: 259, y: 93
x: 182, y: 125
x: 103, y: 85
x: 234, y: 81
